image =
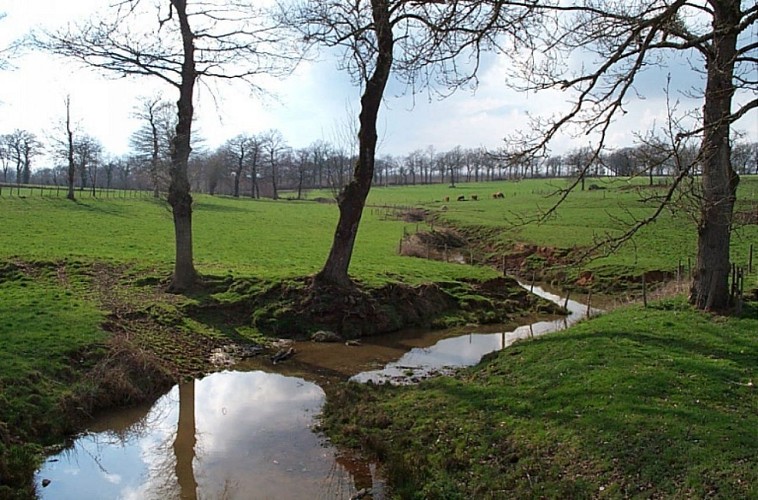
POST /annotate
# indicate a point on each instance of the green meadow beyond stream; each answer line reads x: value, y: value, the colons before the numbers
x: 250, y: 433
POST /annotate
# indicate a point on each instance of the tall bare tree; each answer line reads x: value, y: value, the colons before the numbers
x: 152, y: 141
x: 273, y: 146
x: 21, y: 146
x: 627, y: 38
x: 244, y: 152
x: 71, y: 171
x: 177, y: 42
x: 419, y: 41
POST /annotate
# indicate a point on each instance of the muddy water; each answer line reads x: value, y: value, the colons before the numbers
x: 248, y: 434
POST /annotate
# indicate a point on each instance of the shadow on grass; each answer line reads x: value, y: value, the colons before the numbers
x: 216, y: 207
x: 660, y: 410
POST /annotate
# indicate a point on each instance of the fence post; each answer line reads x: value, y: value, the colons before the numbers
x: 750, y: 260
x: 589, y: 303
x: 566, y: 302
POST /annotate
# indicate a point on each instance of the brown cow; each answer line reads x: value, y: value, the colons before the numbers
x: 447, y: 199
x: 474, y: 197
x: 498, y: 195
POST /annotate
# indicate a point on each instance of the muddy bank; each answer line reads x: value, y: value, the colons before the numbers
x: 155, y: 339
x: 297, y: 309
x: 557, y: 266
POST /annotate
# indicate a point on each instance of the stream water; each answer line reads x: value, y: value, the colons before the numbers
x: 248, y: 433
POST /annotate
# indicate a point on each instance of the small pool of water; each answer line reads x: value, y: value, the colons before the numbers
x: 248, y: 434
x: 230, y: 435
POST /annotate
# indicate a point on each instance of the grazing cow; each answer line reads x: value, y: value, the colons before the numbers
x: 498, y: 195
x: 461, y: 198
x: 474, y: 197
x: 447, y: 199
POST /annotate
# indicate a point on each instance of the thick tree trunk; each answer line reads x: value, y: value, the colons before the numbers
x: 353, y: 197
x: 710, y: 287
x: 179, y: 190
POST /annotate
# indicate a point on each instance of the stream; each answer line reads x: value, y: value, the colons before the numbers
x: 249, y: 433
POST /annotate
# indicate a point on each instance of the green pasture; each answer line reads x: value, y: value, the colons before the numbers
x: 262, y: 238
x: 51, y: 318
x: 584, y: 218
x: 637, y: 403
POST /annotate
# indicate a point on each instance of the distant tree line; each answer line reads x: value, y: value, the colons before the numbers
x: 265, y: 165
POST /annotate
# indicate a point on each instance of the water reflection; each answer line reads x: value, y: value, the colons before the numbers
x: 184, y: 444
x: 242, y: 435
x: 467, y: 350
x: 229, y: 435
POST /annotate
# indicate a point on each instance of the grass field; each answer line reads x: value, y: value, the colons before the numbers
x: 582, y: 219
x: 52, y: 309
x: 638, y: 403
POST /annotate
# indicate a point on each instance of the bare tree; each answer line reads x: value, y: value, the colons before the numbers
x: 177, y: 42
x: 273, y: 145
x: 71, y: 172
x: 152, y: 141
x: 87, y: 151
x: 243, y: 151
x: 627, y: 38
x: 5, y: 156
x: 417, y: 40
x: 20, y: 147
x: 745, y: 157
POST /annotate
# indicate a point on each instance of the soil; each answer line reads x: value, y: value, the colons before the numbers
x: 296, y: 309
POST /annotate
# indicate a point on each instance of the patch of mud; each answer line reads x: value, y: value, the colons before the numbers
x: 296, y: 309
x: 437, y: 245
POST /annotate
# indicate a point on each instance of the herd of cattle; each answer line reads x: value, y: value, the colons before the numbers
x: 475, y: 197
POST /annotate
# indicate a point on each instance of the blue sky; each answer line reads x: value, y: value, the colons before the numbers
x: 309, y: 105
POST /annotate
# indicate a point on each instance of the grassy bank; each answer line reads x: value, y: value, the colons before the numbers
x: 84, y: 321
x: 81, y: 291
x: 656, y: 402
x: 584, y: 218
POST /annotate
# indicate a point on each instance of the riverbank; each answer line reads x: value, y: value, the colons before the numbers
x: 110, y: 336
x: 650, y: 402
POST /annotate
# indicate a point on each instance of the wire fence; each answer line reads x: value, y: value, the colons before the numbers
x: 58, y: 191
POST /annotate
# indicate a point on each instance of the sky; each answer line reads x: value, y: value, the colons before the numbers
x: 312, y: 104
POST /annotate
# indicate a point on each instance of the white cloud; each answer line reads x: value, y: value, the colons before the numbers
x: 310, y: 103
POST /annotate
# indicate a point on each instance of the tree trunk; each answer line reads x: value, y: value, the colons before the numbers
x: 710, y: 287
x: 71, y: 164
x: 273, y: 182
x: 237, y: 183
x: 353, y: 197
x: 154, y: 158
x: 179, y: 190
